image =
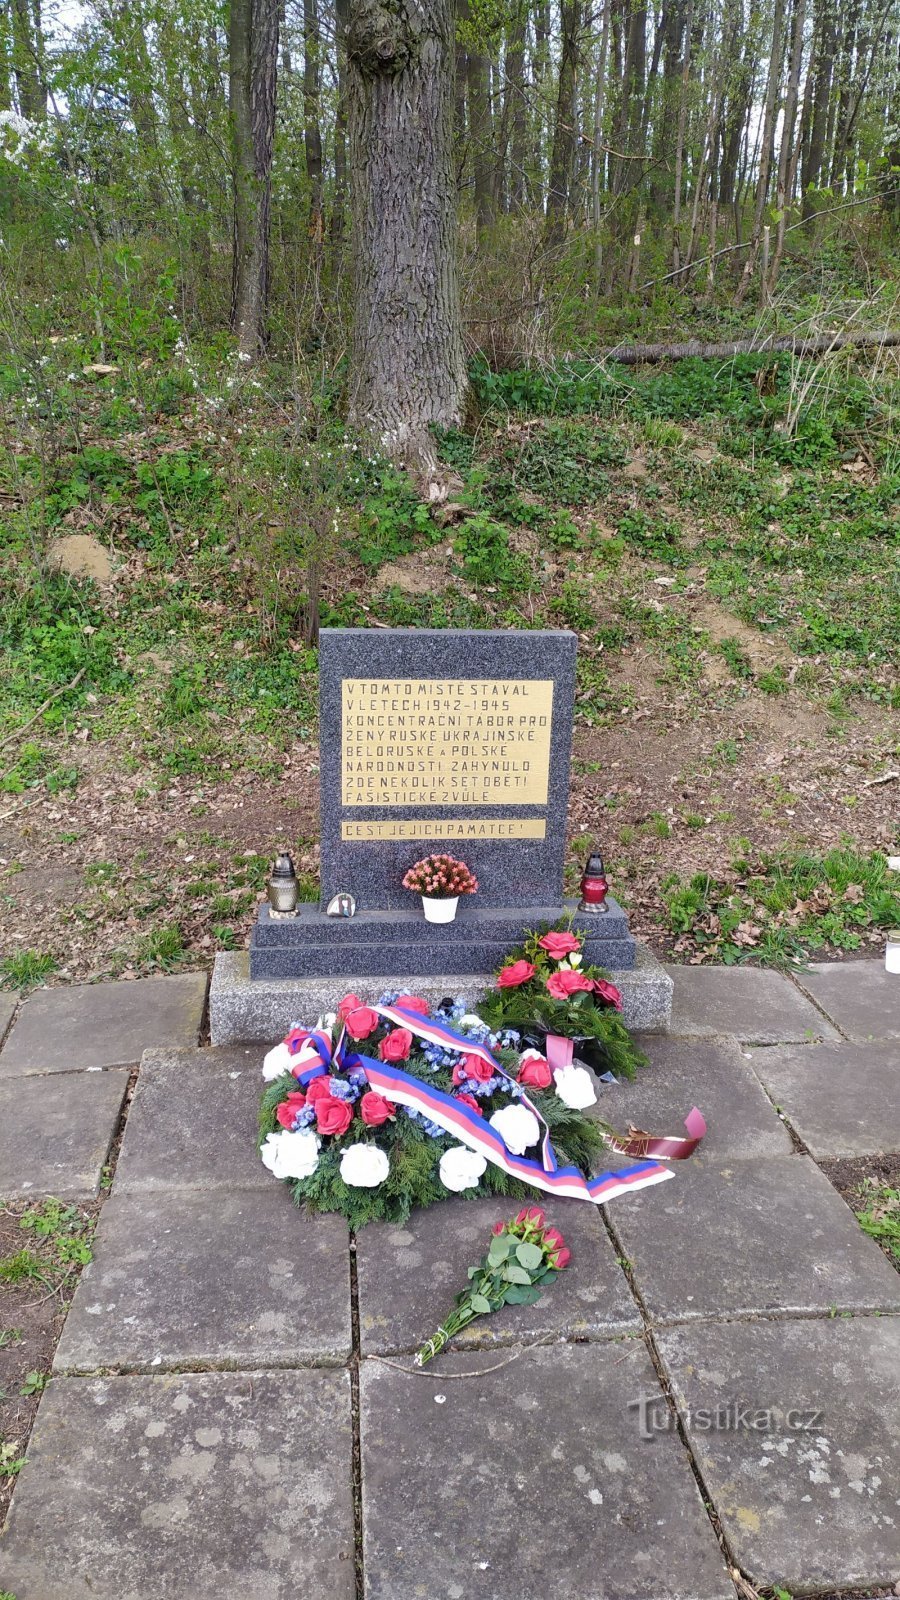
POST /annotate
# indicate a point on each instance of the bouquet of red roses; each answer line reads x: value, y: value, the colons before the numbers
x: 522, y: 1257
x: 545, y: 987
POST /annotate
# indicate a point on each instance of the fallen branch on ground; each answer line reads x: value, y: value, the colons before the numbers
x: 633, y: 355
x: 17, y: 732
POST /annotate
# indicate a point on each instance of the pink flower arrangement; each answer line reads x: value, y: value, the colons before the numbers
x: 440, y: 878
x: 523, y: 1257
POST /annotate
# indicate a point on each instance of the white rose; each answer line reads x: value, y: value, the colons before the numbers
x: 364, y: 1166
x: 518, y: 1128
x: 280, y: 1060
x: 291, y: 1155
x: 574, y: 1087
x: 460, y: 1168
x: 471, y: 1021
x: 276, y: 1062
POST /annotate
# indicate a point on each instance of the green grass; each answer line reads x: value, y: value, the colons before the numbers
x: 25, y: 969
x: 780, y: 909
x: 878, y: 1214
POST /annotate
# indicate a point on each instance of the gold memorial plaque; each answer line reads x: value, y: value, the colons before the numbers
x: 436, y: 742
x: 458, y: 828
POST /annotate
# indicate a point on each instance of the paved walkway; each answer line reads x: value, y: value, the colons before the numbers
x: 233, y: 1410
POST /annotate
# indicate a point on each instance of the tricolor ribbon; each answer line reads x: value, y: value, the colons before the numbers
x: 318, y: 1055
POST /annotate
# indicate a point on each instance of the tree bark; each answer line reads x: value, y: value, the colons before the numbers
x: 27, y: 56
x: 408, y: 370
x: 562, y: 161
x: 784, y: 183
x: 312, y: 130
x: 515, y: 89
x: 597, y: 163
x: 253, y: 68
x: 765, y: 154
x: 478, y: 75
x: 635, y: 355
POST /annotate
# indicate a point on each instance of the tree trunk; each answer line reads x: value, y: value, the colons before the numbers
x: 562, y: 161
x: 27, y: 55
x: 814, y: 151
x: 765, y: 154
x: 785, y: 167
x: 253, y: 69
x: 340, y: 161
x: 515, y: 89
x: 597, y: 165
x: 408, y: 369
x: 312, y: 131
x: 679, y: 138
x: 478, y: 72
x: 540, y: 74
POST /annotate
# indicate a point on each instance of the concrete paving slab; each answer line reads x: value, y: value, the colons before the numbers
x: 193, y: 1122
x: 7, y: 1012
x: 755, y: 1005
x: 860, y: 997
x: 55, y: 1136
x: 527, y: 1481
x: 201, y: 1485
x: 808, y: 1498
x: 751, y: 1237
x: 432, y: 1252
x: 184, y: 1277
x: 713, y: 1074
x: 89, y: 1025
x: 842, y: 1099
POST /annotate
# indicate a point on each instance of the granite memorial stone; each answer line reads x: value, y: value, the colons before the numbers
x: 434, y: 740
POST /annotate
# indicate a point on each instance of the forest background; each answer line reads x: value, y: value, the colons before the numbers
x: 194, y: 474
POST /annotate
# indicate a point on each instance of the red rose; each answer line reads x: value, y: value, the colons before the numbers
x: 396, y: 1046
x: 411, y: 1002
x: 470, y: 1101
x: 531, y: 1214
x: 553, y: 1237
x: 361, y: 1021
x: 287, y: 1110
x: 535, y: 1072
x: 519, y: 972
x: 475, y: 1067
x: 459, y: 1073
x: 498, y: 1228
x: 560, y: 1259
x: 558, y: 945
x: 375, y: 1110
x: 350, y: 1002
x: 564, y: 984
x: 608, y: 992
x: 319, y: 1089
x: 333, y: 1116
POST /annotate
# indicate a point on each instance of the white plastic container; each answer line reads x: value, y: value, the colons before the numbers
x: 892, y: 951
x: 440, y: 910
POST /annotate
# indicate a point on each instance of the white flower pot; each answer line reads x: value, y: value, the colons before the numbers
x: 439, y: 910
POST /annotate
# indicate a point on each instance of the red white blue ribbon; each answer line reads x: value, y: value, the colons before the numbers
x: 458, y: 1119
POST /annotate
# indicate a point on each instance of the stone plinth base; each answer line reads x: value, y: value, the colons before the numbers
x: 244, y: 1009
x: 382, y: 943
